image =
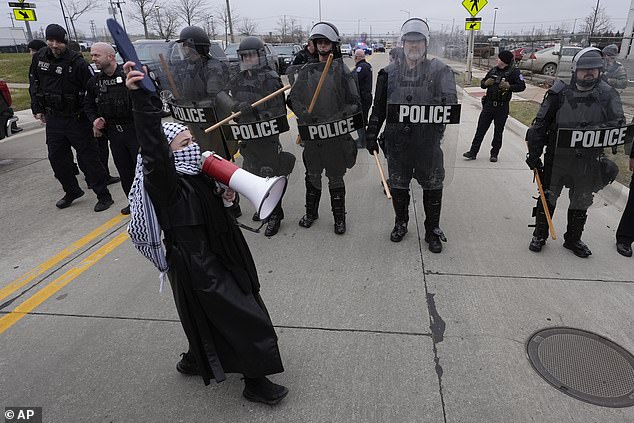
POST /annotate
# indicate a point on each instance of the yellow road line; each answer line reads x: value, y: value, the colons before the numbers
x: 27, y: 306
x: 32, y: 274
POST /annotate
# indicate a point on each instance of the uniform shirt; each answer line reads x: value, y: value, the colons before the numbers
x: 116, y: 81
x: 510, y: 74
x: 364, y: 76
x: 64, y: 75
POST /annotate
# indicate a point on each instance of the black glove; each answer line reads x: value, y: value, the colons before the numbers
x: 489, y: 81
x: 242, y: 107
x: 371, y: 143
x: 534, y: 162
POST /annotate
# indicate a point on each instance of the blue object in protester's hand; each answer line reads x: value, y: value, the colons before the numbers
x: 128, y: 53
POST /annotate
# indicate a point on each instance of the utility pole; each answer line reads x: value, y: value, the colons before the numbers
x: 158, y: 18
x: 594, y: 22
x: 121, y: 13
x: 627, y: 34
x: 12, y: 22
x: 61, y: 5
x: 230, y: 22
x: 93, y: 29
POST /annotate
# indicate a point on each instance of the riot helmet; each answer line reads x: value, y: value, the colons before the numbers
x: 587, y: 58
x: 611, y: 50
x: 415, y: 30
x: 326, y: 31
x: 196, y: 38
x: 252, y: 54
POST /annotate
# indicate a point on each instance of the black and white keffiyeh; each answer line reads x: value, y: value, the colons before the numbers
x: 144, y: 229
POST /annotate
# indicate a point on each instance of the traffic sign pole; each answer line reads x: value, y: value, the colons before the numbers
x: 470, y: 48
x: 29, y: 35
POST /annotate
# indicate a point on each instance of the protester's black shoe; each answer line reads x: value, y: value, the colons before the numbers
x: 263, y: 390
x: 624, y: 249
x: 273, y: 225
x: 536, y: 244
x: 493, y: 159
x: 187, y: 365
x: 112, y: 180
x: 126, y: 210
x: 579, y: 248
x: 103, y: 204
x: 399, y: 231
x: 469, y: 155
x: 68, y: 199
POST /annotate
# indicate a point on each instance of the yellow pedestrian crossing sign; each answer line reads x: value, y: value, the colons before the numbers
x: 24, y: 14
x: 474, y: 6
x: 472, y: 26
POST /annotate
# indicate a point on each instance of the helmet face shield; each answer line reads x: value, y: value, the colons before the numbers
x: 252, y: 59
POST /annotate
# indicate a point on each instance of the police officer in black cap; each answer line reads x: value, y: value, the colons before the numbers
x: 587, y: 103
x: 108, y: 107
x: 500, y: 82
x: 58, y: 82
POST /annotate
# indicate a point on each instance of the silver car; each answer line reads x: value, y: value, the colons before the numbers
x: 549, y: 62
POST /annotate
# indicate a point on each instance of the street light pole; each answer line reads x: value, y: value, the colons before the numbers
x: 158, y: 18
x: 319, y: 10
x: 495, y: 14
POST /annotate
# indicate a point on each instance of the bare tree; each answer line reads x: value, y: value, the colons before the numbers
x: 142, y: 11
x: 163, y: 22
x: 597, y: 22
x: 227, y: 20
x: 190, y: 11
x: 247, y: 27
x: 76, y: 8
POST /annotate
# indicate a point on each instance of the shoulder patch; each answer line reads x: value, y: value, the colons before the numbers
x: 359, y: 69
x: 521, y: 77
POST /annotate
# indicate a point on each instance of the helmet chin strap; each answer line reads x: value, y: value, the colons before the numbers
x: 587, y: 83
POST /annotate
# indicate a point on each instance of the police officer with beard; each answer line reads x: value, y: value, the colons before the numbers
x: 108, y: 107
x: 58, y: 82
x: 413, y: 151
x: 263, y: 156
x: 338, y: 153
x: 587, y: 102
x: 500, y: 82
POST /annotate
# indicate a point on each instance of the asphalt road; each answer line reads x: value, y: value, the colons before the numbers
x: 369, y: 330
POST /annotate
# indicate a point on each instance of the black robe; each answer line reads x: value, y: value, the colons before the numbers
x: 211, y: 270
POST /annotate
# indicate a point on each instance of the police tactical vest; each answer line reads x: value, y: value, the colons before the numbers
x: 495, y: 93
x: 202, y: 80
x: 112, y: 99
x: 56, y: 88
x: 251, y: 86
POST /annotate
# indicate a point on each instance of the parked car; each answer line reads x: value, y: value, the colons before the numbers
x: 346, y: 50
x: 545, y: 61
x: 453, y: 51
x: 483, y: 50
x: 285, y: 55
x: 231, y: 51
x: 379, y: 47
x: 521, y: 52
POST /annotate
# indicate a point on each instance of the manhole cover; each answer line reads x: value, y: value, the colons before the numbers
x: 584, y: 365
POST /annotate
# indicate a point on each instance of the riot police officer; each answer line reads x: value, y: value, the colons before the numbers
x: 107, y: 105
x: 413, y: 150
x: 588, y: 102
x: 263, y: 155
x: 57, y: 85
x: 615, y: 73
x: 500, y: 82
x: 305, y: 55
x: 338, y: 101
x: 201, y: 77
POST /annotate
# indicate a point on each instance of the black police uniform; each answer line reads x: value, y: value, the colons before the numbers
x: 57, y: 90
x: 364, y: 76
x: 625, y: 231
x: 495, y: 107
x: 108, y: 97
x: 303, y: 56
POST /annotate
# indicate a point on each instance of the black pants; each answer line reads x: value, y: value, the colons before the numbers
x: 62, y: 133
x: 125, y: 149
x: 498, y: 116
x: 104, y: 153
x: 625, y: 231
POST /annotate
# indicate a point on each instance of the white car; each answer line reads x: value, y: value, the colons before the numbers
x: 346, y: 50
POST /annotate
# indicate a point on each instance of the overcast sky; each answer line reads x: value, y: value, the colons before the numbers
x: 371, y: 16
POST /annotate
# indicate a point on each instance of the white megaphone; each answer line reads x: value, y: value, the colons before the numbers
x: 263, y: 193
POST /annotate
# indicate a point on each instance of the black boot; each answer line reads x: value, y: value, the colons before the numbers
x: 312, y: 206
x: 338, y: 205
x: 540, y: 234
x: 432, y: 203
x: 275, y: 219
x: 262, y: 390
x: 572, y: 237
x: 400, y: 202
x: 187, y: 365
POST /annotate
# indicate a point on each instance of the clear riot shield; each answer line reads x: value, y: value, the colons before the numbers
x: 189, y: 84
x: 588, y: 158
x: 257, y: 129
x: 336, y: 110
x: 422, y: 124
